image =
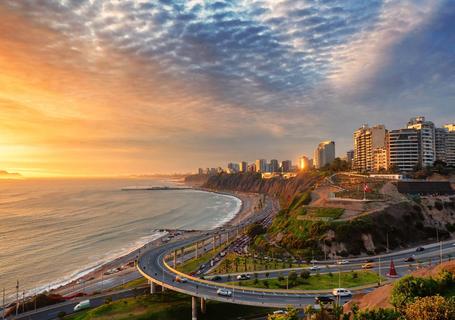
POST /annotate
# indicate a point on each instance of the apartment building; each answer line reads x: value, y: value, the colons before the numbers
x: 366, y: 141
x: 324, y: 154
x: 403, y: 149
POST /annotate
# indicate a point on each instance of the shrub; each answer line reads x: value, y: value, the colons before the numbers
x: 438, y: 205
x: 408, y: 288
x: 61, y: 314
x: 305, y: 274
x: 434, y: 307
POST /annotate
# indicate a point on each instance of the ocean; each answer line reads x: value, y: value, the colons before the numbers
x: 55, y: 230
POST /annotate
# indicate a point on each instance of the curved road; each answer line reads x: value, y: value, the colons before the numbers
x: 151, y: 265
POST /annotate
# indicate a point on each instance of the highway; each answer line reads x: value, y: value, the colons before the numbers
x: 151, y: 264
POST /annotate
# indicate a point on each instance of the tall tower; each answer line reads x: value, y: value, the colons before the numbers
x: 426, y: 133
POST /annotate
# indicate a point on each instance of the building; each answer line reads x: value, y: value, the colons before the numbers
x: 200, y: 171
x: 251, y: 167
x: 440, y: 137
x: 261, y: 165
x: 286, y: 166
x: 233, y: 167
x: 366, y: 140
x: 243, y: 166
x: 304, y: 163
x: 426, y: 133
x: 450, y: 144
x: 403, y: 149
x: 379, y: 159
x: 274, y: 166
x: 324, y: 154
x: 350, y: 156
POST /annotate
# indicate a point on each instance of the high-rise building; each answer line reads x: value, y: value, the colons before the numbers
x: 261, y: 165
x: 286, y: 166
x: 304, y: 163
x: 233, y: 167
x: 350, y: 156
x: 251, y: 167
x: 274, y: 166
x: 450, y: 144
x: 243, y: 166
x: 403, y: 149
x: 379, y: 159
x: 366, y: 140
x: 324, y: 154
x: 426, y: 133
x: 200, y: 171
x: 440, y: 137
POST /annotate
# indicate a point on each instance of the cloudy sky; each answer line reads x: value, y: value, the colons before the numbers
x: 98, y: 87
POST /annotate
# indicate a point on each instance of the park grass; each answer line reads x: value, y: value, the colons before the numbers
x: 192, y: 265
x: 250, y: 264
x: 316, y: 282
x: 131, y: 284
x: 166, y: 306
x: 332, y: 213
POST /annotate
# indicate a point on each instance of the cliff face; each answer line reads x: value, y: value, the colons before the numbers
x: 284, y: 189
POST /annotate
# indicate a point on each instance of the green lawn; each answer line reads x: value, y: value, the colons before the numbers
x: 167, y: 306
x: 237, y: 263
x: 131, y: 284
x: 193, y: 264
x: 316, y: 282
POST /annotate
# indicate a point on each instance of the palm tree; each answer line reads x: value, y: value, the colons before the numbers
x: 236, y: 263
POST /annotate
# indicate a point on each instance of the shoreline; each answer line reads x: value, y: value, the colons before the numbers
x: 97, y: 279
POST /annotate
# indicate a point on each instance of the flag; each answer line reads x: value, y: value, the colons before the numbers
x: 366, y: 188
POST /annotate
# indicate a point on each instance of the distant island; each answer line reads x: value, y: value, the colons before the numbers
x: 10, y: 175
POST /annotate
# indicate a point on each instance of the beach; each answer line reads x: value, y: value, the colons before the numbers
x: 98, y: 280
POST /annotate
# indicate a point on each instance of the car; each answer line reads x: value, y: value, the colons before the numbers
x: 420, y: 249
x: 224, y: 292
x: 342, y: 262
x: 369, y: 260
x: 368, y: 265
x: 341, y: 292
x: 314, y: 261
x: 181, y: 279
x: 323, y: 299
x: 280, y: 312
x: 315, y: 268
x: 243, y: 277
x: 216, y: 278
x: 82, y: 305
x: 409, y: 259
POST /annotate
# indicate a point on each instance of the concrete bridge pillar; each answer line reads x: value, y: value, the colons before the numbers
x: 203, y: 307
x: 175, y: 258
x: 193, y: 308
x: 152, y: 287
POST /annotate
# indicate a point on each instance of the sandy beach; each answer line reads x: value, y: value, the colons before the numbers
x: 122, y: 269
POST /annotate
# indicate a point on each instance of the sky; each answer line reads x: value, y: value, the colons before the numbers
x: 91, y: 87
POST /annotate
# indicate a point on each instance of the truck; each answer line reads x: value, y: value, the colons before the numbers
x: 85, y: 304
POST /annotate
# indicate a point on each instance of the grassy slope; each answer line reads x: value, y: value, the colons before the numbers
x: 322, y: 281
x: 169, y: 306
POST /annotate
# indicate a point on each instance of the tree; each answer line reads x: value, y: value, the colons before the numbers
x: 409, y: 287
x: 434, y: 307
x: 236, y: 263
x: 378, y: 314
x: 305, y: 274
x: 292, y: 278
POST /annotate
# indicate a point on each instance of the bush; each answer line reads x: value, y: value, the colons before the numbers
x: 305, y: 274
x: 61, y: 314
x: 408, y: 288
x: 434, y: 307
x: 438, y: 205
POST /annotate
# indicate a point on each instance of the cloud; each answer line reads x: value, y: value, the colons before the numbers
x: 206, y: 81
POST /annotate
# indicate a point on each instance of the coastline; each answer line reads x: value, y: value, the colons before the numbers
x: 97, y: 279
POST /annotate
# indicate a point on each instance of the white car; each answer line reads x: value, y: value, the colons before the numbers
x: 341, y: 292
x: 342, y: 262
x: 224, y: 292
x: 243, y: 277
x: 315, y: 268
x: 280, y: 312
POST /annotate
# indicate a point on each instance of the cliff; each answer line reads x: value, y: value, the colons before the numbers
x: 283, y: 189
